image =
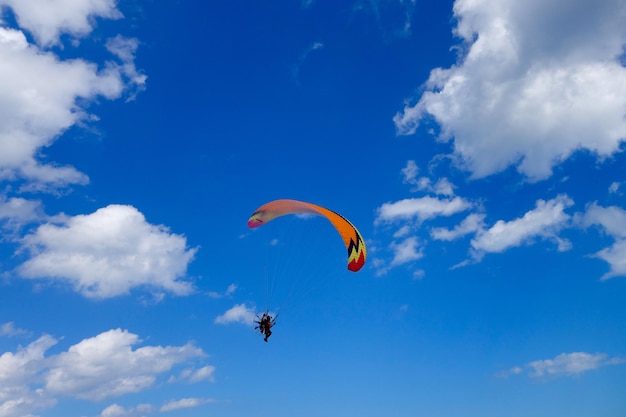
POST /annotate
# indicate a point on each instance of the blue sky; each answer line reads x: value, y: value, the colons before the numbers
x: 477, y: 145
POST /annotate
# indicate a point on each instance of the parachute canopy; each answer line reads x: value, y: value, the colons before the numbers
x: 350, y: 235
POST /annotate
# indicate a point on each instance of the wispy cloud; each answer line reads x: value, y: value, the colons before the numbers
x: 565, y: 364
x: 471, y: 224
x: 229, y: 291
x: 8, y: 329
x: 295, y: 69
x: 185, y: 403
x: 116, y: 410
x: 195, y: 375
x: 393, y: 17
x: 441, y: 187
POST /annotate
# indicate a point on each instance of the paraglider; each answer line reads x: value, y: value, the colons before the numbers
x: 352, y: 239
x: 265, y: 324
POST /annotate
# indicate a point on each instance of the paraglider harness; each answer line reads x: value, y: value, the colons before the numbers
x: 265, y: 323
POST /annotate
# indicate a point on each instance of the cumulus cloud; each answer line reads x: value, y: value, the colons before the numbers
x: 613, y: 221
x: 239, y: 313
x: 565, y: 364
x: 43, y: 95
x: 20, y: 367
x: 47, y: 20
x: 108, y: 253
x: 106, y: 366
x: 17, y: 372
x: 544, y: 221
x: 97, y: 368
x: 536, y: 81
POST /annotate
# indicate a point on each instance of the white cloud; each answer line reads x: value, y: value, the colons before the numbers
x: 418, y: 274
x: 106, y: 366
x: 42, y: 95
x: 124, y: 49
x: 34, y: 111
x: 195, y: 375
x: 471, y: 224
x: 423, y: 208
x: 392, y: 17
x: 46, y: 20
x: 20, y: 367
x: 16, y: 212
x: 8, y: 329
x: 545, y: 221
x: 406, y: 248
x: 295, y: 70
x: 115, y: 410
x: 239, y: 313
x: 613, y: 220
x: 96, y: 368
x: 565, y: 364
x: 615, y: 256
x: 539, y: 80
x: 185, y: 403
x: 402, y: 232
x: 108, y: 253
x: 441, y: 187
x: 406, y: 251
x: 17, y: 372
x: 229, y: 291
x: 516, y: 370
x: 203, y: 374
x: 569, y: 364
